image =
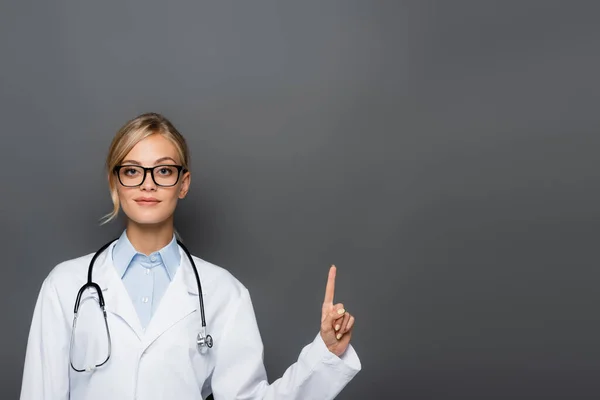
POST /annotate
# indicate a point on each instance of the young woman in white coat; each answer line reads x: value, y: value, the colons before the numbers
x: 145, y: 346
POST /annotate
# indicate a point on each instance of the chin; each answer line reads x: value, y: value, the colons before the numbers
x: 150, y: 217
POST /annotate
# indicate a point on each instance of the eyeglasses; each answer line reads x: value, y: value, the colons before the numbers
x: 162, y: 175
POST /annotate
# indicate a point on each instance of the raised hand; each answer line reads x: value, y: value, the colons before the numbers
x: 336, y: 322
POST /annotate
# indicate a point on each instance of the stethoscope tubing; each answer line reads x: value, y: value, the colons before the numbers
x: 202, y: 339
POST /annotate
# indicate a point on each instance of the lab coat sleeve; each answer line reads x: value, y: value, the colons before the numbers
x: 240, y: 373
x: 45, y: 374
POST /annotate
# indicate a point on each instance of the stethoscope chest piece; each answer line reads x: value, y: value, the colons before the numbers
x: 204, y: 341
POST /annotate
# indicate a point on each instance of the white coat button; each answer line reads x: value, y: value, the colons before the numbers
x: 144, y: 299
x: 147, y: 271
x: 153, y: 258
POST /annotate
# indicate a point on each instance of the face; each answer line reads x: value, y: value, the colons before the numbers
x: 150, y: 204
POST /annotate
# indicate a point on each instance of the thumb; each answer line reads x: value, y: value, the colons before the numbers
x: 331, y: 315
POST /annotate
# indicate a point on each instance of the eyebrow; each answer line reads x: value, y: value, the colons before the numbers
x: 155, y: 162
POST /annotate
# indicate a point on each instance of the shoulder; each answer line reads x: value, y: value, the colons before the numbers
x: 215, y: 277
x: 69, y: 272
x: 63, y: 281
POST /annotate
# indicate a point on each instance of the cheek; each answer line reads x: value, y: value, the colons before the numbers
x: 171, y: 196
x: 124, y: 194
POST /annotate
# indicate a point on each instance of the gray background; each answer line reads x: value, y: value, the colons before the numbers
x: 442, y: 153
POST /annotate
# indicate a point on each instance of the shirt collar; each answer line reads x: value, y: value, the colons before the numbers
x: 124, y: 252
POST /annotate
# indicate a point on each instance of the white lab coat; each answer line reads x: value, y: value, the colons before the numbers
x: 162, y: 362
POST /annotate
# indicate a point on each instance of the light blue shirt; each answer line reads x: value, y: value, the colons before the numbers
x: 146, y: 278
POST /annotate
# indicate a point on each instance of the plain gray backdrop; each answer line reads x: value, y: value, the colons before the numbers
x: 442, y: 153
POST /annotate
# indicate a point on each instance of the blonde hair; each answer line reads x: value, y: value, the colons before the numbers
x: 131, y: 134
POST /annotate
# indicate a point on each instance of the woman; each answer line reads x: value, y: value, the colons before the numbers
x: 145, y: 345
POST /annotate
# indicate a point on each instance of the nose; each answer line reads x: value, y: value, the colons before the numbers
x: 148, y: 183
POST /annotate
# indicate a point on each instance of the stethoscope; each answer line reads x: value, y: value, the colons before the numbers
x: 202, y: 340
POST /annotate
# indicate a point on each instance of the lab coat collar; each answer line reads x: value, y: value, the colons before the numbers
x: 179, y: 300
x: 188, y: 272
x: 116, y: 298
x: 177, y: 303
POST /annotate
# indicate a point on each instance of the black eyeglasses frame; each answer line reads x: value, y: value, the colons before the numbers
x: 180, y: 170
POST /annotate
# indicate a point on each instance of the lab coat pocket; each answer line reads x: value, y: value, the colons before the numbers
x: 184, y: 368
x: 196, y: 359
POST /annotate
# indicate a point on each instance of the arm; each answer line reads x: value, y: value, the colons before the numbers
x: 240, y: 374
x: 45, y: 374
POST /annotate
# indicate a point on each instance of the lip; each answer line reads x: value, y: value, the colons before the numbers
x: 146, y: 200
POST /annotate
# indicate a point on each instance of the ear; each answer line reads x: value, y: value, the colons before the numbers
x: 186, y: 180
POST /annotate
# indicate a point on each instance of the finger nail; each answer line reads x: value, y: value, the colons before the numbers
x: 339, y: 336
x: 341, y: 311
x: 337, y: 327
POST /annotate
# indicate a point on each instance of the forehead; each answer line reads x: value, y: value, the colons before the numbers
x: 152, y: 148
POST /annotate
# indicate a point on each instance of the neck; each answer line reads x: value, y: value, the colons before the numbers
x: 149, y: 238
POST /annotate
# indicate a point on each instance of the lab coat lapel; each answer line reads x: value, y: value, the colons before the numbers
x: 116, y: 298
x: 177, y: 303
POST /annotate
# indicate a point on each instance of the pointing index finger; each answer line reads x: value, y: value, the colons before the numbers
x: 330, y: 288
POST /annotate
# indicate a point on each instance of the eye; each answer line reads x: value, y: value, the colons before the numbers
x: 129, y: 171
x: 165, y: 171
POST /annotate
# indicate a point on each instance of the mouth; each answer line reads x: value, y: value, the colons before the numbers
x: 146, y: 201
